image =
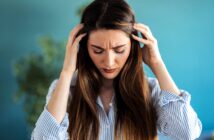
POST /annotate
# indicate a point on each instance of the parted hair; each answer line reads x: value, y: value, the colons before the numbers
x: 135, y: 117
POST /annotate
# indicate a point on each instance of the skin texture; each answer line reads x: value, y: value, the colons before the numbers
x: 109, y: 49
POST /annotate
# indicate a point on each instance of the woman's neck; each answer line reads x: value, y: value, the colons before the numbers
x: 106, y: 93
x: 107, y: 84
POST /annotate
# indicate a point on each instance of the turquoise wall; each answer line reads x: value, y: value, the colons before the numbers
x: 184, y: 30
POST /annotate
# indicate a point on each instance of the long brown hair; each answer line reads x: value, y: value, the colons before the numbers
x: 135, y: 115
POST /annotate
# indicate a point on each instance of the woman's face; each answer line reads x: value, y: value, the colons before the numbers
x: 109, y: 50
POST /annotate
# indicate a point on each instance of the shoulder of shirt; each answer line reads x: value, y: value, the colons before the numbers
x: 152, y: 81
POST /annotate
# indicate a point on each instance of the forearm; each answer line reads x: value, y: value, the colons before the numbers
x: 165, y: 80
x: 58, y: 102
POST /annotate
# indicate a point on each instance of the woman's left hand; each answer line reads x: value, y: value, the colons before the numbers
x: 151, y: 55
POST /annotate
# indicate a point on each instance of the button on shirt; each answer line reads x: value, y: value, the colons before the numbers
x: 176, y: 117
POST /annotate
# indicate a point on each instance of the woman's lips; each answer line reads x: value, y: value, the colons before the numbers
x: 109, y: 70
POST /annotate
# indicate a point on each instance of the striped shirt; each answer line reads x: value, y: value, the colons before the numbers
x: 176, y: 117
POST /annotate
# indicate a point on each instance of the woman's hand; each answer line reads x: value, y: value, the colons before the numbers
x: 70, y: 59
x: 152, y: 58
x: 151, y: 55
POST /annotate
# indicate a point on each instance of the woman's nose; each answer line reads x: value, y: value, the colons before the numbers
x: 109, y: 60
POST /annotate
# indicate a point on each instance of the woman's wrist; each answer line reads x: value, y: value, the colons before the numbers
x: 165, y: 80
x: 155, y: 67
x: 67, y: 75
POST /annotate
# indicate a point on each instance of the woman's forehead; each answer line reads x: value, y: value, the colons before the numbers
x: 114, y: 37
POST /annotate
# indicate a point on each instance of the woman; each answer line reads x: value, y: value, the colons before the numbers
x: 102, y: 92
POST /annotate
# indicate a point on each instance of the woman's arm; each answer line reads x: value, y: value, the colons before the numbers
x: 47, y: 126
x: 176, y: 117
x: 57, y: 104
x: 164, y: 78
x: 53, y: 122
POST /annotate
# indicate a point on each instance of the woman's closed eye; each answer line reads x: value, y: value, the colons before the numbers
x: 119, y: 51
x: 99, y: 51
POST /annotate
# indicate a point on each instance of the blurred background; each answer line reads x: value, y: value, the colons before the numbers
x: 32, y: 44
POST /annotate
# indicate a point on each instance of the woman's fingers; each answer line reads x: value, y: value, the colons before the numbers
x: 72, y: 49
x: 141, y: 25
x: 144, y: 32
x: 73, y: 34
x: 149, y: 39
x: 77, y: 40
x: 144, y: 41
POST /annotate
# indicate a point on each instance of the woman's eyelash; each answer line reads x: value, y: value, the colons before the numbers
x: 99, y: 52
x: 120, y: 51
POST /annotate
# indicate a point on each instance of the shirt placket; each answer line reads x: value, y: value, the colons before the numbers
x: 106, y: 120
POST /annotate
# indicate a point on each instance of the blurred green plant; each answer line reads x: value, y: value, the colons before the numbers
x: 34, y: 73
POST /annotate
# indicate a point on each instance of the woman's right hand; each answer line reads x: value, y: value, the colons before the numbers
x: 70, y: 59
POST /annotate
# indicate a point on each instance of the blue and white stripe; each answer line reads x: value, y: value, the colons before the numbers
x: 176, y: 118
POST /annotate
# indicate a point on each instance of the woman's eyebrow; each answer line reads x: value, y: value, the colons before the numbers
x: 116, y: 47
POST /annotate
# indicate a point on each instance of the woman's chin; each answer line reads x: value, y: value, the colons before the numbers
x: 109, y: 76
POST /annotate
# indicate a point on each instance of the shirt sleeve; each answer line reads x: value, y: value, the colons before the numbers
x: 176, y: 117
x: 46, y: 126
